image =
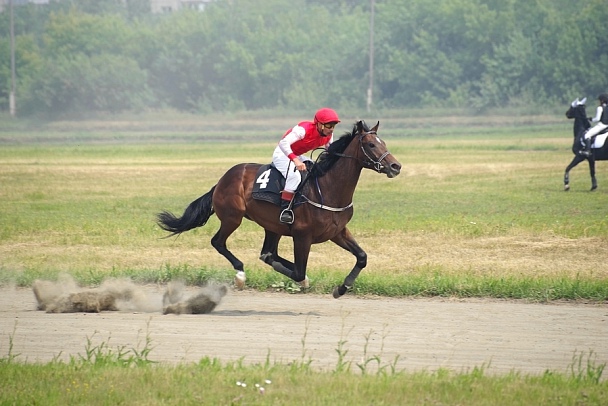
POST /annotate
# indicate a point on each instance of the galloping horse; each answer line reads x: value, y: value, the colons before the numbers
x: 326, y: 206
x: 599, y: 150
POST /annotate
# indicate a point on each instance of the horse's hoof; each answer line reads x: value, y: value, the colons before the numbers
x: 566, y: 188
x: 339, y: 291
x: 305, y: 284
x: 266, y: 258
x: 593, y: 188
x: 239, y: 280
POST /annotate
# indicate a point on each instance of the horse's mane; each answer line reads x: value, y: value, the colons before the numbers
x: 328, y: 158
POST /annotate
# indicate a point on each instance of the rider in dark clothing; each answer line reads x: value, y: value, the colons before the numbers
x: 601, y: 117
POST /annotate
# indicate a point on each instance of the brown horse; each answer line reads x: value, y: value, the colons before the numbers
x: 327, y: 195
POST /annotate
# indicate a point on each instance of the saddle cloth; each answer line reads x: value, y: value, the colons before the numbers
x: 268, y: 185
x: 600, y: 140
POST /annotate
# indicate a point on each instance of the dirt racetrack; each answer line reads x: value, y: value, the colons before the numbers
x: 412, y: 334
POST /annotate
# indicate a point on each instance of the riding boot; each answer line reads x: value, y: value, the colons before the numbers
x: 587, y: 150
x: 286, y: 216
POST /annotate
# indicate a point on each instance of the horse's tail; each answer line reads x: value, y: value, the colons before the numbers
x: 195, y: 215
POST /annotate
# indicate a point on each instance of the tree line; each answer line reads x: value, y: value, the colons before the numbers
x: 75, y: 56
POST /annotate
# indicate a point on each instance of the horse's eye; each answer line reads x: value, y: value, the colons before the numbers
x: 371, y: 145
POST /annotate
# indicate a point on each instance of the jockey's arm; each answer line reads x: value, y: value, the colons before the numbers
x: 297, y: 133
x: 598, y: 114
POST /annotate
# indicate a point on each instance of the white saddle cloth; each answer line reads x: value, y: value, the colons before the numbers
x: 600, y: 140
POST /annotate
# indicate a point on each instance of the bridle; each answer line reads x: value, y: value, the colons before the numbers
x: 369, y: 162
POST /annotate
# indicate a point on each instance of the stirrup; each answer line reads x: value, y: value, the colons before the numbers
x: 585, y: 152
x: 286, y: 216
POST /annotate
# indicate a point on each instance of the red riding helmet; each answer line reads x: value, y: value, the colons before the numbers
x: 326, y: 115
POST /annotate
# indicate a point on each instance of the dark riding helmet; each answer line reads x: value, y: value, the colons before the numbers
x: 603, y: 98
x: 326, y: 115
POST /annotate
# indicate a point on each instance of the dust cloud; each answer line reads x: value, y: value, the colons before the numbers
x: 121, y: 294
x: 200, y: 303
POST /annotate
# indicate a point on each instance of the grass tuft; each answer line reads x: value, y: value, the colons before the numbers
x: 116, y: 376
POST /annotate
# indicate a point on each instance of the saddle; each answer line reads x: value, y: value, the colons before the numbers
x: 598, y: 141
x: 268, y: 185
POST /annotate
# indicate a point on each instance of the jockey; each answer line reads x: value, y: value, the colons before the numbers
x: 601, y: 118
x: 288, y: 156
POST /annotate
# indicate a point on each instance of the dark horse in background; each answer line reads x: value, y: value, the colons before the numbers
x: 326, y: 197
x: 581, y: 125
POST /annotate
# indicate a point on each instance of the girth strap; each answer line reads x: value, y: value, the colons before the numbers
x: 324, y: 207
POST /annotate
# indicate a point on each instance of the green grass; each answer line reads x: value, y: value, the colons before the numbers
x: 210, y: 382
x: 478, y: 211
x: 103, y: 375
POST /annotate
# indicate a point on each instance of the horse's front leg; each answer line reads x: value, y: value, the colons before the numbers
x: 348, y: 242
x: 575, y: 161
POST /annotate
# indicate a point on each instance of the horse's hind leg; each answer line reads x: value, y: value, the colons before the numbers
x: 348, y: 242
x: 219, y: 243
x: 271, y: 256
x: 294, y: 271
x: 270, y: 246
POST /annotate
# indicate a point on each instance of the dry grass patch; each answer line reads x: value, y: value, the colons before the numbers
x: 394, y: 252
x: 505, y: 256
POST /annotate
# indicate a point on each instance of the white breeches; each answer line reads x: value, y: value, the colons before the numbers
x: 288, y: 169
x: 595, y: 130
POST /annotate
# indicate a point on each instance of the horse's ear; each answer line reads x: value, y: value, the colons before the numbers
x: 375, y: 129
x: 359, y: 126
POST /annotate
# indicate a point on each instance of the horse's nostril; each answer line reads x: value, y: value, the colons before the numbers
x: 396, y: 167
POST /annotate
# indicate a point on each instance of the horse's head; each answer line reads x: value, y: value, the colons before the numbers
x: 578, y: 112
x: 370, y: 151
x: 375, y: 154
x: 577, y: 109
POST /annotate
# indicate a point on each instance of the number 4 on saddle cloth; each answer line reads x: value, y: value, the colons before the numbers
x: 269, y: 184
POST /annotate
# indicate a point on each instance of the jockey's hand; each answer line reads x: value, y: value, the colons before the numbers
x: 299, y: 165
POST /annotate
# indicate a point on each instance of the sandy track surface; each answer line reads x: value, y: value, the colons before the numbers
x: 412, y: 334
